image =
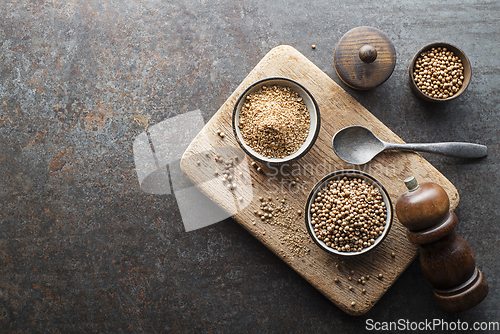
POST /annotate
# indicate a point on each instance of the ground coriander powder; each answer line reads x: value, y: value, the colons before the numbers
x: 274, y: 121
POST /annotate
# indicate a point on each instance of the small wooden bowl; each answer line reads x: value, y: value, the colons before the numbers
x: 314, y: 116
x: 466, y: 72
x: 338, y: 175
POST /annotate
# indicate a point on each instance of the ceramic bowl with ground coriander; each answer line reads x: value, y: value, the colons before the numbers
x: 348, y: 213
x: 276, y: 120
x: 439, y: 72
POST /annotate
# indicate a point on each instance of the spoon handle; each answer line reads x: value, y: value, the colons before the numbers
x: 451, y: 149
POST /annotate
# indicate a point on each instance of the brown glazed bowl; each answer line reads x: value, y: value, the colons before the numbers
x: 466, y: 72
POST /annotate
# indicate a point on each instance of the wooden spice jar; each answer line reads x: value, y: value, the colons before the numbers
x: 364, y: 58
x: 445, y: 257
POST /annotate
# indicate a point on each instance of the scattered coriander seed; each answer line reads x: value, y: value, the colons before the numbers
x: 313, y: 46
x: 352, y: 272
x: 393, y: 254
x: 284, y: 219
x: 363, y: 291
x: 349, y: 278
x: 292, y: 183
x: 353, y: 303
x: 380, y: 275
x: 336, y: 280
x: 240, y: 198
x: 218, y: 132
x: 198, y: 162
x: 299, y: 212
x: 259, y: 169
x: 222, y: 134
x: 253, y: 163
x: 350, y: 287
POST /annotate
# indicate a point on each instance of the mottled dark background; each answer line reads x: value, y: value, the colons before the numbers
x: 82, y: 249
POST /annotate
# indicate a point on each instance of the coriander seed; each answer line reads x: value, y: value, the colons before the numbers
x: 348, y: 214
x: 438, y: 73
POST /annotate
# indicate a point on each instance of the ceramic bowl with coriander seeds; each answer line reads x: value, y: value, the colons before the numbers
x: 348, y: 213
x: 276, y: 120
x: 439, y: 72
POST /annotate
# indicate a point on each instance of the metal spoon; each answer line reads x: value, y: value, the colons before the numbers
x: 358, y: 145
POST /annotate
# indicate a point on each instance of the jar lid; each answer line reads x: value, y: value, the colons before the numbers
x: 364, y: 58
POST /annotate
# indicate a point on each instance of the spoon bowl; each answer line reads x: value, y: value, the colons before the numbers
x: 357, y: 145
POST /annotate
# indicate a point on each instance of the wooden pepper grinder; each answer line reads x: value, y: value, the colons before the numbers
x: 446, y: 258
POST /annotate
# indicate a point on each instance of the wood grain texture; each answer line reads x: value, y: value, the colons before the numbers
x: 354, y: 62
x: 446, y: 259
x: 289, y: 240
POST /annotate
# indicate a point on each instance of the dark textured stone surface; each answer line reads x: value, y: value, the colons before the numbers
x: 82, y: 249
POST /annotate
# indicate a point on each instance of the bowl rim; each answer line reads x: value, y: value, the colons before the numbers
x: 459, y: 53
x: 260, y: 157
x: 354, y: 174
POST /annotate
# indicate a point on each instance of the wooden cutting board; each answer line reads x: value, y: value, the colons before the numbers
x: 286, y: 234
